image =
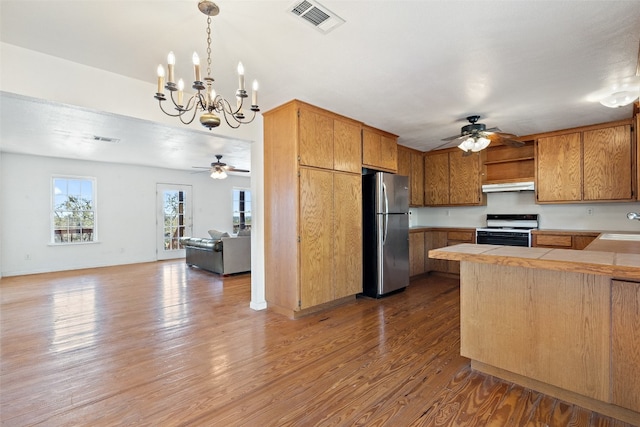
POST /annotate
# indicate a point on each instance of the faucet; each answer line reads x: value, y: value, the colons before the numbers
x: 633, y: 215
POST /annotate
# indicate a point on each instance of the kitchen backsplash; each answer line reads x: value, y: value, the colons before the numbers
x: 596, y: 216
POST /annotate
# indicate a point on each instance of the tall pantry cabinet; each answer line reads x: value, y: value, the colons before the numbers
x: 313, y: 208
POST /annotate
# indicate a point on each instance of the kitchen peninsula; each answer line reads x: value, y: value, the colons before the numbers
x: 564, y: 322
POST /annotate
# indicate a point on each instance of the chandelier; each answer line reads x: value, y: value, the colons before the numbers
x: 205, y: 100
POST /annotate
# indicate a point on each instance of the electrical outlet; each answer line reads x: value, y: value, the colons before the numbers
x: 27, y: 257
x: 589, y: 211
x: 448, y: 212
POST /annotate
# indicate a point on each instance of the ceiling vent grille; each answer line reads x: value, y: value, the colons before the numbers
x: 104, y: 139
x: 313, y: 13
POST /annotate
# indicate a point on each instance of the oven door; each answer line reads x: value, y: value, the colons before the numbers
x: 506, y: 238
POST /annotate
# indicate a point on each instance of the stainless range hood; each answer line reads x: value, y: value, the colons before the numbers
x: 508, y: 186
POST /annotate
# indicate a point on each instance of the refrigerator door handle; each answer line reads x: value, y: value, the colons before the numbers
x: 386, y: 211
x: 385, y: 221
x: 386, y: 199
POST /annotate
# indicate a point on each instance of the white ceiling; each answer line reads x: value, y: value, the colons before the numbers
x: 414, y: 68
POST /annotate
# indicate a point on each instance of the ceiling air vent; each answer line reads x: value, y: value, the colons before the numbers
x: 313, y: 13
x: 103, y: 139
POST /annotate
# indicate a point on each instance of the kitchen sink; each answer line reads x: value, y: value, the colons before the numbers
x: 612, y: 236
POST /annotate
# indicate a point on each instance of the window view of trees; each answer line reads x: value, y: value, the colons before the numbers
x: 174, y: 221
x: 74, y: 216
x: 241, y: 210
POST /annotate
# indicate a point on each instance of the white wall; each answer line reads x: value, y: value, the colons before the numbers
x: 605, y: 216
x: 126, y: 203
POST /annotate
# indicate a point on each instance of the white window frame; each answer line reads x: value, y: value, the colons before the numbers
x: 94, y: 190
x: 246, y: 190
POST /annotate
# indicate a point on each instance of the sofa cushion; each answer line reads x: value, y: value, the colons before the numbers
x: 217, y: 235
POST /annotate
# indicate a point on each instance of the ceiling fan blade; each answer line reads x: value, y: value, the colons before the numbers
x: 451, y: 138
x: 201, y: 167
x: 506, y: 135
x: 452, y: 142
x: 506, y: 139
x: 493, y: 129
x: 232, y: 169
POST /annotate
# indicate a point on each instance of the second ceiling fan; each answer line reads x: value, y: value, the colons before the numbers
x: 219, y: 169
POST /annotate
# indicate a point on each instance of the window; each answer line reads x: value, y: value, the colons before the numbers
x: 74, y: 210
x: 241, y: 210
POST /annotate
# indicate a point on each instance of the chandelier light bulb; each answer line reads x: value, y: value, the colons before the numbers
x: 196, y: 66
x: 240, y: 76
x: 180, y: 92
x: 160, y: 79
x: 171, y: 61
x: 254, y: 94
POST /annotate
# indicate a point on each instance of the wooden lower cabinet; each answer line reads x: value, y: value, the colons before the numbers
x: 417, y: 255
x: 330, y: 236
x: 563, y: 239
x: 347, y: 234
x: 435, y: 239
x: 625, y: 344
x: 316, y: 237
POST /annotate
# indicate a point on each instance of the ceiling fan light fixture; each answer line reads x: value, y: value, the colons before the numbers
x: 480, y: 144
x: 467, y: 144
x: 218, y: 173
x: 474, y: 144
x: 620, y: 98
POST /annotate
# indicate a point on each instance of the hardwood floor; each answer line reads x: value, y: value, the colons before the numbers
x: 161, y: 344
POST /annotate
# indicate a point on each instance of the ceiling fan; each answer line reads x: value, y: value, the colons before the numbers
x: 476, y: 137
x: 219, y: 169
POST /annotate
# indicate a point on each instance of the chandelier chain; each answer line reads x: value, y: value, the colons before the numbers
x: 208, y: 46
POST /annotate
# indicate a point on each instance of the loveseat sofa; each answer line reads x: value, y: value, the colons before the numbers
x: 220, y: 253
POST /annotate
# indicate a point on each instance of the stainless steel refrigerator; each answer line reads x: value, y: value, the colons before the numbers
x: 385, y: 233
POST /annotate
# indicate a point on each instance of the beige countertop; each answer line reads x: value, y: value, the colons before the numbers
x: 621, y: 259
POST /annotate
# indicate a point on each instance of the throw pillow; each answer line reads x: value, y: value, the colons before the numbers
x: 244, y: 232
x: 217, y: 235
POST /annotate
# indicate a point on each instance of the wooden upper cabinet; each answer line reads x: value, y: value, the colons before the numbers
x: 465, y: 187
x: 559, y: 169
x: 607, y: 169
x: 329, y: 141
x: 404, y: 161
x: 347, y: 146
x: 452, y: 179
x: 436, y: 179
x: 595, y: 163
x: 316, y: 138
x: 379, y: 150
x: 411, y: 164
x: 417, y: 179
